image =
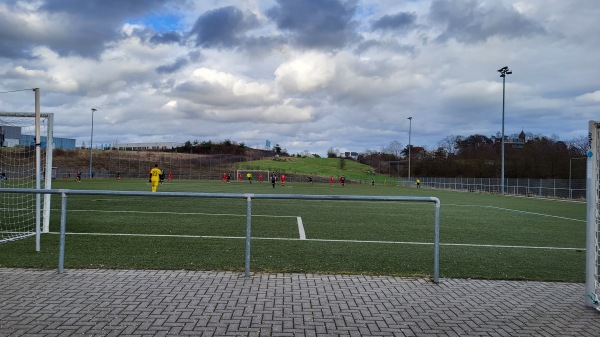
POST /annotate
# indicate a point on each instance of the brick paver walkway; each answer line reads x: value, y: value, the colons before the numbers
x: 188, y: 303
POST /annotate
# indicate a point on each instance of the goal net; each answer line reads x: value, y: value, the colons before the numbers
x: 24, y: 165
x: 242, y: 175
x: 592, y: 284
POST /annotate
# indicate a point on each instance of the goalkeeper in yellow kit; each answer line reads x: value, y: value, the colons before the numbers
x: 153, y: 177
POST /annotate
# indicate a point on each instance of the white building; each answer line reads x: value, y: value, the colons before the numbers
x: 146, y: 146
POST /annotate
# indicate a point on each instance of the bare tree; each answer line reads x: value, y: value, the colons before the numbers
x: 580, y: 144
x: 305, y: 153
x: 331, y: 153
x: 395, y: 148
x: 450, y: 143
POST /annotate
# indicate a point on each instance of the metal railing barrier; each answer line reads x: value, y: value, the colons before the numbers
x: 248, y: 196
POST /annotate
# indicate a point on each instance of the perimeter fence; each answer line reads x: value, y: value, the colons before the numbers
x: 571, y: 189
x: 132, y: 164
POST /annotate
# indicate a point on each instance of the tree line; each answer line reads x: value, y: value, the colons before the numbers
x: 474, y: 156
x: 479, y: 156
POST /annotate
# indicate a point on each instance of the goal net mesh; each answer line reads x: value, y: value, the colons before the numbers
x: 18, y: 163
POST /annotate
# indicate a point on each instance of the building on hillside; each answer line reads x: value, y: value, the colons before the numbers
x: 59, y: 143
x: 146, y: 146
x: 516, y: 142
x: 10, y: 136
x: 353, y: 155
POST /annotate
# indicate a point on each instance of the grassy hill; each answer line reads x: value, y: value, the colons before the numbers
x: 135, y: 164
x: 316, y: 167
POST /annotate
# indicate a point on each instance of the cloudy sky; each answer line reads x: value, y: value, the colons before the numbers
x: 305, y: 74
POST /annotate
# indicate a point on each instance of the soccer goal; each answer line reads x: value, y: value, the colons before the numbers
x: 592, y: 285
x: 255, y: 175
x: 25, y: 162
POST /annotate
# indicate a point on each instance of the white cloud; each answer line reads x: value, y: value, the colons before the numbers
x: 589, y: 98
x: 356, y: 96
x: 219, y: 91
x: 306, y: 73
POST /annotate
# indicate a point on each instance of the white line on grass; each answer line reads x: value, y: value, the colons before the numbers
x: 301, y: 232
x: 301, y: 229
x: 324, y: 240
x: 183, y: 213
x: 518, y: 211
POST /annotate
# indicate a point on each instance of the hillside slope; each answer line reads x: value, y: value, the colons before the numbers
x: 317, y: 167
x: 136, y: 164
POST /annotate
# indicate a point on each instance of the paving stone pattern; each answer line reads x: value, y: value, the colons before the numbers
x: 189, y: 303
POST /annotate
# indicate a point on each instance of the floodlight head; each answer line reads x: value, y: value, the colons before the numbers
x: 94, y: 109
x: 410, y: 118
x: 509, y: 72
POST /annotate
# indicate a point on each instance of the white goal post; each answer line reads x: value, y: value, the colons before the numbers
x: 592, y: 284
x: 26, y: 145
x: 255, y: 175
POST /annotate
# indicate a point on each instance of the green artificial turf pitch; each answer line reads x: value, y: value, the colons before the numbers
x: 482, y: 235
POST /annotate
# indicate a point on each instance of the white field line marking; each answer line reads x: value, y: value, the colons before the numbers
x: 323, y: 240
x: 537, y: 197
x: 301, y: 232
x: 301, y: 229
x: 518, y: 211
x: 182, y: 213
x: 18, y: 209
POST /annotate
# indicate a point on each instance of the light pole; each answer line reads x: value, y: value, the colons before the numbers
x: 92, y: 141
x: 409, y: 132
x: 503, y: 72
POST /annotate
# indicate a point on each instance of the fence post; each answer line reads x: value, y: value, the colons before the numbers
x: 248, y: 231
x: 63, y: 229
x: 436, y: 242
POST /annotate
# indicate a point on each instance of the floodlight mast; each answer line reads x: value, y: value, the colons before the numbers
x: 409, y: 132
x: 503, y: 72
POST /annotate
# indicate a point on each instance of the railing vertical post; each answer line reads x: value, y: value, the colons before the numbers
x: 436, y: 243
x: 63, y: 229
x: 248, y: 231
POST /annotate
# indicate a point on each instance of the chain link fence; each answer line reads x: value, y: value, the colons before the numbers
x: 107, y: 164
x: 571, y: 189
